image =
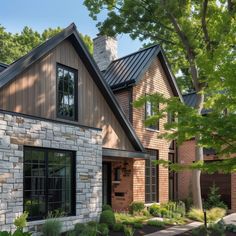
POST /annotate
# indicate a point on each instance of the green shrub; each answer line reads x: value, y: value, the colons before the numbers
x: 79, y: 228
x: 92, y: 223
x: 164, y: 212
x: 155, y: 210
x: 146, y: 213
x: 156, y: 223
x: 52, y: 227
x: 136, y: 207
x: 20, y: 222
x: 128, y: 230
x: 212, y: 230
x: 102, y: 229
x: 231, y: 228
x: 106, y: 207
x: 212, y: 214
x: 118, y: 227
x: 89, y: 231
x: 188, y: 203
x: 214, y: 199
x: 137, y: 225
x: 108, y: 217
x: 71, y: 233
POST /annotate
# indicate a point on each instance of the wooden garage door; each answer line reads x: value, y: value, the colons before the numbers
x: 223, y: 181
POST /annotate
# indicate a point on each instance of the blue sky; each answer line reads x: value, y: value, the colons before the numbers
x: 41, y: 14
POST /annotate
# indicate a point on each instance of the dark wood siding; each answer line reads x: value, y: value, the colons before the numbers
x: 222, y: 181
x: 34, y: 92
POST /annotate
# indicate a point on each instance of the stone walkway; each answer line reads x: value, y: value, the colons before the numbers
x: 175, y: 230
x: 230, y: 219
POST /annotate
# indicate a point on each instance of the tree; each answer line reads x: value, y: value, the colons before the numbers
x: 14, y: 46
x: 199, y: 40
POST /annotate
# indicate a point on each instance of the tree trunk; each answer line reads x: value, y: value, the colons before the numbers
x: 196, y: 174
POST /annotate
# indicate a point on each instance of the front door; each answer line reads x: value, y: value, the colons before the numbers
x: 106, y: 183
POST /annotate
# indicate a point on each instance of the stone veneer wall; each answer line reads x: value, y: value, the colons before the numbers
x: 17, y: 131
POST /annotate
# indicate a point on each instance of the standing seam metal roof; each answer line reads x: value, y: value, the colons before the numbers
x: 126, y: 70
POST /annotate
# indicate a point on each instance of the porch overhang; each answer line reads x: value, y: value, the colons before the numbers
x: 116, y: 153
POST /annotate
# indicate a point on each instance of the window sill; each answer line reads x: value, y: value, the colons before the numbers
x: 40, y: 222
x: 153, y: 130
x: 116, y: 182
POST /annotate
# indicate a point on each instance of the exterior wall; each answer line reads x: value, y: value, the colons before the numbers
x: 186, y: 154
x: 154, y: 80
x: 125, y: 186
x: 124, y: 98
x: 16, y: 132
x: 34, y: 93
x: 139, y: 180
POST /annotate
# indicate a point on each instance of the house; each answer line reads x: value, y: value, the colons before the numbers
x: 59, y: 122
x: 143, y: 72
x: 225, y: 182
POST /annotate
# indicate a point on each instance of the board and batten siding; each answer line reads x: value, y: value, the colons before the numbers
x: 34, y: 93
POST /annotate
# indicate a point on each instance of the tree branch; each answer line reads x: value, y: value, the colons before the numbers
x: 204, y: 25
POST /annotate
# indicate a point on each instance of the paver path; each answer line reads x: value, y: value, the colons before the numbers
x: 175, y: 230
x: 230, y: 219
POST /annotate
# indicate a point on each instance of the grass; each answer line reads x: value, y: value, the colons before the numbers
x: 156, y: 223
x: 212, y: 214
x: 129, y: 219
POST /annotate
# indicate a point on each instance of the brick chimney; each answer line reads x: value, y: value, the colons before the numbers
x: 104, y: 51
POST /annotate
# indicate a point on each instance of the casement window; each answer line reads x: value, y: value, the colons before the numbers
x: 170, y: 117
x: 49, y: 182
x: 67, y: 90
x: 151, y: 177
x: 150, y: 111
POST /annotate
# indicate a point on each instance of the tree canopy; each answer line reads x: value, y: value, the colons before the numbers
x: 14, y: 46
x: 199, y: 38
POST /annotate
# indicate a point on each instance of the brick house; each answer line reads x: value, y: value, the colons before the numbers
x: 143, y: 72
x: 225, y: 182
x: 58, y: 122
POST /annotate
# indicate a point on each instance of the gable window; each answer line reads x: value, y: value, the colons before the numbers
x: 49, y: 181
x: 67, y: 87
x: 151, y: 177
x: 150, y: 111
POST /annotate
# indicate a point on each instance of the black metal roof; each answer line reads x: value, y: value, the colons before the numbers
x: 128, y: 70
x: 190, y: 99
x: 72, y: 35
x: 3, y: 66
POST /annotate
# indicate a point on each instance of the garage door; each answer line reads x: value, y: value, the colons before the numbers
x: 223, y: 181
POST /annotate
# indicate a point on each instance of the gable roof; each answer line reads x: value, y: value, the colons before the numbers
x: 3, y: 66
x: 72, y: 35
x: 128, y: 70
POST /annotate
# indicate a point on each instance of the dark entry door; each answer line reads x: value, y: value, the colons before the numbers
x: 172, y: 179
x: 106, y: 183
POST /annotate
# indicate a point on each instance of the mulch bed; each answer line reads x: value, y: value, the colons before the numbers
x: 147, y: 229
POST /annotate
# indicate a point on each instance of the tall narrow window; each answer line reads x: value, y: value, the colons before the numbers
x: 49, y: 179
x: 151, y: 177
x: 67, y: 88
x: 150, y: 111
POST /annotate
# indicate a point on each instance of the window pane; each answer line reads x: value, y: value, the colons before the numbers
x: 66, y: 92
x: 53, y: 186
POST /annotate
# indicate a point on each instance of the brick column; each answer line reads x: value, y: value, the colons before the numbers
x: 139, y: 180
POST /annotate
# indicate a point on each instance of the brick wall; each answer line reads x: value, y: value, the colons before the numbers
x: 124, y: 99
x: 125, y: 186
x: 17, y: 131
x: 154, y: 80
x: 233, y: 192
x: 139, y: 180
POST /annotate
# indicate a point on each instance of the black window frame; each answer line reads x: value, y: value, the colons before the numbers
x: 155, y: 127
x: 73, y: 180
x: 75, y: 72
x: 153, y: 155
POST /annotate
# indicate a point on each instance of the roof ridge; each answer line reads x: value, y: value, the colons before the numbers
x: 141, y: 50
